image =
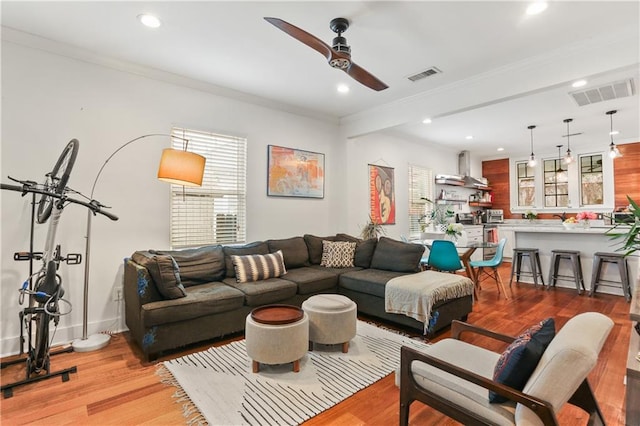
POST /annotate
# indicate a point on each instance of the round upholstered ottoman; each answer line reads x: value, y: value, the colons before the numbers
x: 276, y: 334
x: 332, y: 319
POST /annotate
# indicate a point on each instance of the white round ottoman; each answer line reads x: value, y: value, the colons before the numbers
x: 270, y: 339
x: 332, y: 319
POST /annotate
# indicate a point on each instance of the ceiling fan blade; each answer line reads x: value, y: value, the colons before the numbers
x: 301, y: 35
x: 361, y: 75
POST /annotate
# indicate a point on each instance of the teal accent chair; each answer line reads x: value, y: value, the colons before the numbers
x: 443, y: 256
x: 490, y: 268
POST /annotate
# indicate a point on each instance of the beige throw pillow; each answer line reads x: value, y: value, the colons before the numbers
x: 337, y: 254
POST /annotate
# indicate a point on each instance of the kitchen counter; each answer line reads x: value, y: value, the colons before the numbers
x: 547, y: 237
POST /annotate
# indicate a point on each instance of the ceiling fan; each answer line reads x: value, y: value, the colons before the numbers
x: 339, y: 56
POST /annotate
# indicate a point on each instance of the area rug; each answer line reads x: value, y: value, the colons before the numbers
x: 217, y: 386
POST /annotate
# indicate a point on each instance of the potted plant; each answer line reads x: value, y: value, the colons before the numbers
x: 371, y: 230
x: 439, y: 216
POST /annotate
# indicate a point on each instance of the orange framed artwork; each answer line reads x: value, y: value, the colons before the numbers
x: 295, y: 173
x: 382, y: 195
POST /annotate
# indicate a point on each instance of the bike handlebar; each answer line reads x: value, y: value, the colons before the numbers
x: 27, y: 187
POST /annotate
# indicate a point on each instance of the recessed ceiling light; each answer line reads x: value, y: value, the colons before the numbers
x: 149, y: 20
x: 579, y: 83
x: 537, y: 7
x: 468, y: 137
x: 427, y: 121
x: 614, y: 132
x: 343, y: 88
x: 500, y: 149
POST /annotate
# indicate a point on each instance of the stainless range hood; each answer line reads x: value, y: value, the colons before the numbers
x: 464, y: 170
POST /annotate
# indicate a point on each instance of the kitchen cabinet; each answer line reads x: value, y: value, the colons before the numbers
x: 474, y: 235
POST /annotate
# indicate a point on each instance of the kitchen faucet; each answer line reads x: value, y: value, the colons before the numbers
x: 562, y: 216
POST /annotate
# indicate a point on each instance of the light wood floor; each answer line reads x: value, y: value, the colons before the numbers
x: 114, y: 385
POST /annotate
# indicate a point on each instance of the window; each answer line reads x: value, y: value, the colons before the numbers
x: 420, y: 186
x: 214, y: 213
x: 591, y: 180
x: 556, y: 184
x: 526, y: 184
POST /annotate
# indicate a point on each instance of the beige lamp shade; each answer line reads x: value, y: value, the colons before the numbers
x: 181, y: 167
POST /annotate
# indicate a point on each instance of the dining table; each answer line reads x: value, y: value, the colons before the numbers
x: 465, y: 250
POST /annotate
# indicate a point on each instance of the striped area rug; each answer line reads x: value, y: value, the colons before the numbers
x: 217, y: 386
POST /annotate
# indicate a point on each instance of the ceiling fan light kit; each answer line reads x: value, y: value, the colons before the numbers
x: 338, y: 55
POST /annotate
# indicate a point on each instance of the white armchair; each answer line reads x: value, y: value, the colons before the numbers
x: 454, y: 377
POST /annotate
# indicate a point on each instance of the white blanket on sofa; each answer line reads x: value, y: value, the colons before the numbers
x: 414, y: 295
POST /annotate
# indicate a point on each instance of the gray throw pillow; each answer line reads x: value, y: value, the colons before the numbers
x: 199, y: 265
x: 164, y: 271
x: 314, y: 247
x: 397, y: 256
x: 364, y: 249
x: 293, y: 249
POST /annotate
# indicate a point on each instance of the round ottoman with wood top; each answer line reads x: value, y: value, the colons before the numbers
x: 276, y: 334
x: 332, y: 319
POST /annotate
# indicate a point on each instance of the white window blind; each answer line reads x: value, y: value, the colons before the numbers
x: 214, y: 213
x: 420, y: 186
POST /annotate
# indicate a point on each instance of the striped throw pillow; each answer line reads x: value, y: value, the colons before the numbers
x: 338, y: 254
x: 257, y: 267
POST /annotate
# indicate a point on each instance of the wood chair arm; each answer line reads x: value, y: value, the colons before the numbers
x: 459, y: 327
x: 541, y: 408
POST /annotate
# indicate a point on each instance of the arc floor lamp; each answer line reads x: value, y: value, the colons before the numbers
x: 179, y: 167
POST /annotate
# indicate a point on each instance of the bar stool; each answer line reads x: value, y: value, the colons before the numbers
x: 535, y: 270
x: 618, y: 258
x: 576, y: 268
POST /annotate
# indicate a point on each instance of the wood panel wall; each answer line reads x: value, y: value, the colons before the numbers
x: 497, y: 172
x: 626, y: 172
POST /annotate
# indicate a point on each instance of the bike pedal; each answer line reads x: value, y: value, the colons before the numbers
x: 25, y: 255
x: 73, y: 259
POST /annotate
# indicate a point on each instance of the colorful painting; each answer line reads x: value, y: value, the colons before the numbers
x: 295, y: 173
x: 382, y: 195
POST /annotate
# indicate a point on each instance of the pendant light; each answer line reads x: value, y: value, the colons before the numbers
x: 560, y: 170
x: 614, y: 152
x: 568, y: 158
x: 532, y: 158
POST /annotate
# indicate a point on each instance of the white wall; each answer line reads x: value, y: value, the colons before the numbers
x: 49, y: 99
x: 389, y: 151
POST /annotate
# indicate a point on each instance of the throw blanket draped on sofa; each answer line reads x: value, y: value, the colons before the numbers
x: 414, y: 295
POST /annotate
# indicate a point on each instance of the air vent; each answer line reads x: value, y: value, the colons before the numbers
x: 424, y: 74
x: 618, y: 89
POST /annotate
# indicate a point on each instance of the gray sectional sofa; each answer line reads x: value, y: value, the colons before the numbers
x: 175, y: 298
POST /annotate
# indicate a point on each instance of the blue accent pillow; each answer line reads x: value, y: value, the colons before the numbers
x: 519, y: 360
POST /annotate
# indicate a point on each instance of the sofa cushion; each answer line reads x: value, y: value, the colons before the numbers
x: 264, y: 292
x: 398, y: 256
x: 201, y: 300
x: 255, y: 267
x: 369, y: 281
x: 164, y: 271
x: 314, y: 247
x: 294, y: 250
x: 517, y: 362
x: 198, y: 265
x: 258, y: 247
x: 313, y: 279
x: 337, y: 254
x: 364, y: 249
